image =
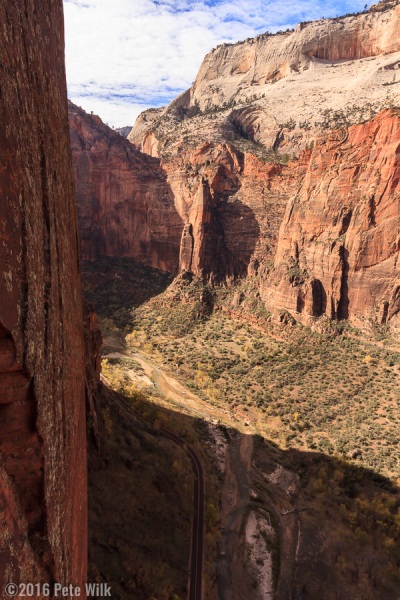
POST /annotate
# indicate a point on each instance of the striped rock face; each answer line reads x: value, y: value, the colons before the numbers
x: 42, y: 388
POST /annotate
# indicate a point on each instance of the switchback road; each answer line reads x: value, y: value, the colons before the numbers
x: 196, y: 554
x: 197, y: 544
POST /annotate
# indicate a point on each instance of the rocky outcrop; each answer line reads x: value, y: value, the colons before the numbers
x: 268, y: 58
x: 281, y: 90
x: 125, y: 204
x: 150, y: 145
x: 42, y: 397
x: 338, y: 247
x: 124, y: 131
x: 232, y: 205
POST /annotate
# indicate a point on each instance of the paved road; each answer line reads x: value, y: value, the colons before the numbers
x: 196, y: 553
x: 197, y: 547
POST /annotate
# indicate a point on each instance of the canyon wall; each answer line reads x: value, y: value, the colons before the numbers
x: 339, y: 241
x: 320, y: 231
x: 125, y: 204
x: 232, y: 205
x: 269, y: 58
x: 280, y: 161
x: 214, y: 210
x: 43, y: 496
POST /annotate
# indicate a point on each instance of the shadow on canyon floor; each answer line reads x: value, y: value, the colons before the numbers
x: 115, y: 286
x: 344, y: 528
x: 337, y: 525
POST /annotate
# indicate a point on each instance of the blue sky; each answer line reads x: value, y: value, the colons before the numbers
x: 124, y: 56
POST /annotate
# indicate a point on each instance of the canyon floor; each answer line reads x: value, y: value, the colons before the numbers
x: 295, y: 429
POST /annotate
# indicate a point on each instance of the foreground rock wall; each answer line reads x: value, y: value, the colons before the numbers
x: 42, y: 397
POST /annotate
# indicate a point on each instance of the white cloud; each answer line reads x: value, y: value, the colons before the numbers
x: 127, y: 55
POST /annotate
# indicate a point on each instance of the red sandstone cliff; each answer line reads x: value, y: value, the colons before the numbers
x: 322, y: 231
x: 125, y: 205
x: 339, y: 242
x: 263, y: 172
x: 43, y: 513
x: 232, y: 205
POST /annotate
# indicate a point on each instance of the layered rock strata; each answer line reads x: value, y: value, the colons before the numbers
x: 281, y: 90
x: 267, y: 59
x: 339, y: 241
